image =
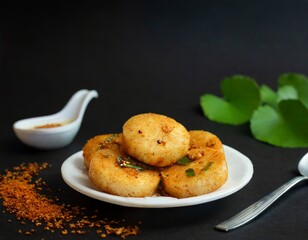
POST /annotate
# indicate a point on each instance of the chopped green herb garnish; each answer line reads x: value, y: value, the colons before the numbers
x: 107, y: 141
x: 133, y: 166
x: 111, y: 138
x: 207, y: 166
x: 184, y: 161
x: 190, y: 172
x: 132, y: 163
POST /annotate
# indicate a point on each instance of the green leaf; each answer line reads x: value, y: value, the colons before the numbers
x: 296, y: 115
x: 286, y: 92
x: 207, y: 166
x: 129, y: 162
x: 184, y: 161
x: 286, y: 127
x: 282, y: 118
x: 268, y: 96
x: 241, y: 97
x: 190, y: 172
x: 299, y: 82
x: 218, y: 110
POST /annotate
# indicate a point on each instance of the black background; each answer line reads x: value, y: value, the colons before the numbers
x: 153, y: 56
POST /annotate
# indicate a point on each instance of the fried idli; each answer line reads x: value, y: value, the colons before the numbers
x: 155, y: 139
x: 203, y: 171
x: 111, y: 141
x: 115, y: 173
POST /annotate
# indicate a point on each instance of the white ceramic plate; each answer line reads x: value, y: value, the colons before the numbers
x: 240, y: 168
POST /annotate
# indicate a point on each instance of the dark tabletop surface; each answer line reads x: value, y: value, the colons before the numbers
x: 153, y: 56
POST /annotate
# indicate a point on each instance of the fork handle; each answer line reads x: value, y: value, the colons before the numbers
x: 258, y: 207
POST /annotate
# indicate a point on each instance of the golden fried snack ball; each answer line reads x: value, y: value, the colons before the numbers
x: 107, y: 173
x: 112, y: 141
x: 155, y: 139
x: 204, y: 171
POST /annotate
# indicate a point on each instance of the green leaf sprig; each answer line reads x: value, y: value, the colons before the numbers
x: 279, y: 118
x: 129, y: 162
x: 184, y: 161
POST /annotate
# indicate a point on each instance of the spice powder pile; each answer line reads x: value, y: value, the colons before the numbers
x: 20, y: 191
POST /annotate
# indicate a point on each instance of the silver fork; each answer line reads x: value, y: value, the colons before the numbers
x: 258, y: 207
